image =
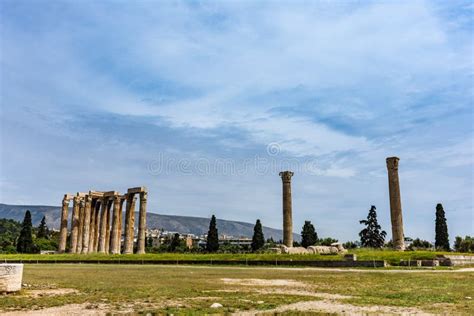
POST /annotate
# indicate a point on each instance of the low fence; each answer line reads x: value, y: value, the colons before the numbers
x: 301, y: 263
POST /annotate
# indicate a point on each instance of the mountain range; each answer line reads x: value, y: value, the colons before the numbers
x: 173, y: 223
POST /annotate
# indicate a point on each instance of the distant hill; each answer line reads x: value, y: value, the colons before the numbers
x: 175, y: 223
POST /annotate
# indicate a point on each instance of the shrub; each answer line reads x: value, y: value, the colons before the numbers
x: 464, y: 245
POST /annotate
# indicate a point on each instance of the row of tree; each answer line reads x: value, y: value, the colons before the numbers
x: 374, y: 237
x: 371, y: 236
x: 24, y: 238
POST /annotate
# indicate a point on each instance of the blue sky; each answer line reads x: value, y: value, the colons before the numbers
x: 205, y: 102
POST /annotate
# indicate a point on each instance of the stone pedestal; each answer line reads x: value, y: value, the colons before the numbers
x: 10, y: 277
x: 287, y: 209
x: 395, y: 204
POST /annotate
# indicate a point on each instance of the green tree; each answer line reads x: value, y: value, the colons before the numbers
x: 45, y: 244
x: 441, y: 229
x: 350, y: 245
x: 175, y: 242
x: 309, y: 237
x: 43, y: 231
x: 464, y: 245
x: 420, y: 244
x: 25, y: 241
x: 212, y: 244
x: 148, y: 241
x: 258, y: 241
x: 9, y: 231
x: 372, y: 236
x: 328, y: 241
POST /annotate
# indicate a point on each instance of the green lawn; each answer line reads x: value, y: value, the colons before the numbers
x: 186, y: 289
x: 393, y: 257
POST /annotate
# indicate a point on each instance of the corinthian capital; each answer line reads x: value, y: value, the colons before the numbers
x: 286, y: 176
x: 392, y: 163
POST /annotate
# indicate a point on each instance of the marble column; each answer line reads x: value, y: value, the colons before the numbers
x: 81, y: 226
x: 395, y: 204
x: 97, y: 224
x: 129, y: 224
x: 287, y: 209
x: 114, y: 242
x: 120, y: 225
x: 107, y: 232
x: 92, y: 226
x: 63, y: 228
x: 142, y: 223
x: 103, y: 225
x: 74, y: 223
x: 87, y: 224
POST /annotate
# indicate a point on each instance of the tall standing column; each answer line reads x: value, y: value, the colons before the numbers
x: 107, y: 232
x: 287, y: 209
x: 87, y: 224
x: 80, y: 231
x: 129, y: 224
x: 114, y: 242
x: 142, y: 223
x: 97, y: 224
x: 395, y: 204
x: 103, y: 225
x: 75, y: 223
x: 120, y: 225
x: 92, y: 226
x: 63, y: 229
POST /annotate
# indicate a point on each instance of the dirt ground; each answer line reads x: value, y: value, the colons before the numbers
x: 313, y: 299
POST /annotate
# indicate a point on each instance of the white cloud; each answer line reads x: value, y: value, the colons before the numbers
x: 379, y: 68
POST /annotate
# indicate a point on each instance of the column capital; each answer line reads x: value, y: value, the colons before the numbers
x: 392, y: 163
x: 88, y: 199
x: 286, y: 176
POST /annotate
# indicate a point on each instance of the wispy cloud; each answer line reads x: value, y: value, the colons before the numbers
x: 92, y: 92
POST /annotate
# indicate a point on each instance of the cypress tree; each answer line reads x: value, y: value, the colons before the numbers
x: 257, y: 240
x: 148, y: 241
x: 174, y: 242
x: 309, y: 237
x: 212, y: 244
x: 43, y: 231
x: 372, y: 236
x: 442, y: 237
x: 25, y: 240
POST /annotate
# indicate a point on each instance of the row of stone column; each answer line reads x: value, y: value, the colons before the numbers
x: 97, y: 222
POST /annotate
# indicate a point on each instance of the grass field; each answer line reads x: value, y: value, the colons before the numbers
x: 191, y: 290
x: 392, y: 257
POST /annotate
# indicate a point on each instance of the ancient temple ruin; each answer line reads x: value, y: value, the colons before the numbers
x: 97, y: 222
